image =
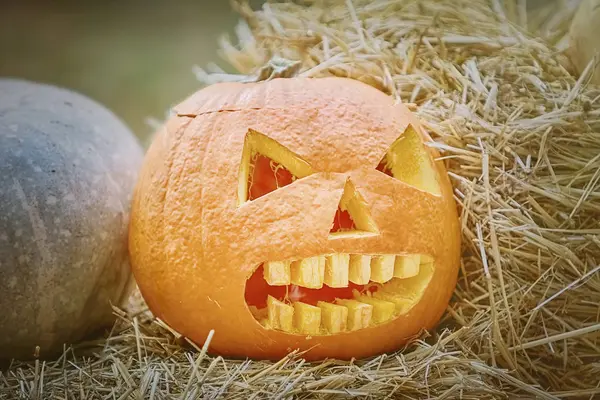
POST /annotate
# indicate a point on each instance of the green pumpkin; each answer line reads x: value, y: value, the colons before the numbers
x: 67, y: 171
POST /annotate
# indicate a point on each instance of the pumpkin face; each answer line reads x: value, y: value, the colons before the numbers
x: 295, y: 214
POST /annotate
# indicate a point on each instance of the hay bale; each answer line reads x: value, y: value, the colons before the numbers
x: 521, y: 138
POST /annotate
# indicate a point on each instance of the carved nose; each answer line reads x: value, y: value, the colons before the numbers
x: 352, y: 218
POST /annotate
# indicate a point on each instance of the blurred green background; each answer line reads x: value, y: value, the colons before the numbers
x: 134, y: 56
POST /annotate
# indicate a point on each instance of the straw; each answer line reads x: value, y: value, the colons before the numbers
x: 521, y: 139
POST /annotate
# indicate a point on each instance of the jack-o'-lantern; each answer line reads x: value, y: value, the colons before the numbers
x: 295, y: 214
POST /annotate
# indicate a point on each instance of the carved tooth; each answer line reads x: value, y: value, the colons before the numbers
x: 359, y: 314
x: 336, y: 270
x: 382, y: 268
x: 334, y: 318
x: 280, y: 314
x: 308, y: 272
x: 360, y: 269
x: 277, y: 273
x: 407, y: 266
x: 307, y: 318
x: 402, y: 304
x: 382, y: 310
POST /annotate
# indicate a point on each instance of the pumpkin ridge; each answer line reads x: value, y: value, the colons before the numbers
x: 169, y: 165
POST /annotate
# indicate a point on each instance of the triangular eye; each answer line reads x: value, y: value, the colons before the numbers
x: 408, y: 161
x: 352, y: 218
x: 267, y: 166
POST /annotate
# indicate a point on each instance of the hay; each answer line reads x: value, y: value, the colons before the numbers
x: 521, y: 138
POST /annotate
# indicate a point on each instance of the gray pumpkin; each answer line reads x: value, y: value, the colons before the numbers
x: 67, y: 171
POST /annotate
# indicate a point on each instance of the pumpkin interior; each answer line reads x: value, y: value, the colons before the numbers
x: 408, y: 161
x: 333, y: 293
x: 300, y: 296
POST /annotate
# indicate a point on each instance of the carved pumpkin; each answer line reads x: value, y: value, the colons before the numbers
x: 295, y: 214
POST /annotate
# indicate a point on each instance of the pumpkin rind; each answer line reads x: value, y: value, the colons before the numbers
x: 194, y: 245
x: 67, y: 171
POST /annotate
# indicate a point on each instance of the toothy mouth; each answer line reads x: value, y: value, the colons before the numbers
x: 334, y: 293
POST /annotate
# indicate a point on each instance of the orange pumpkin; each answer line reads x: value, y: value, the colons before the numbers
x: 295, y: 214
